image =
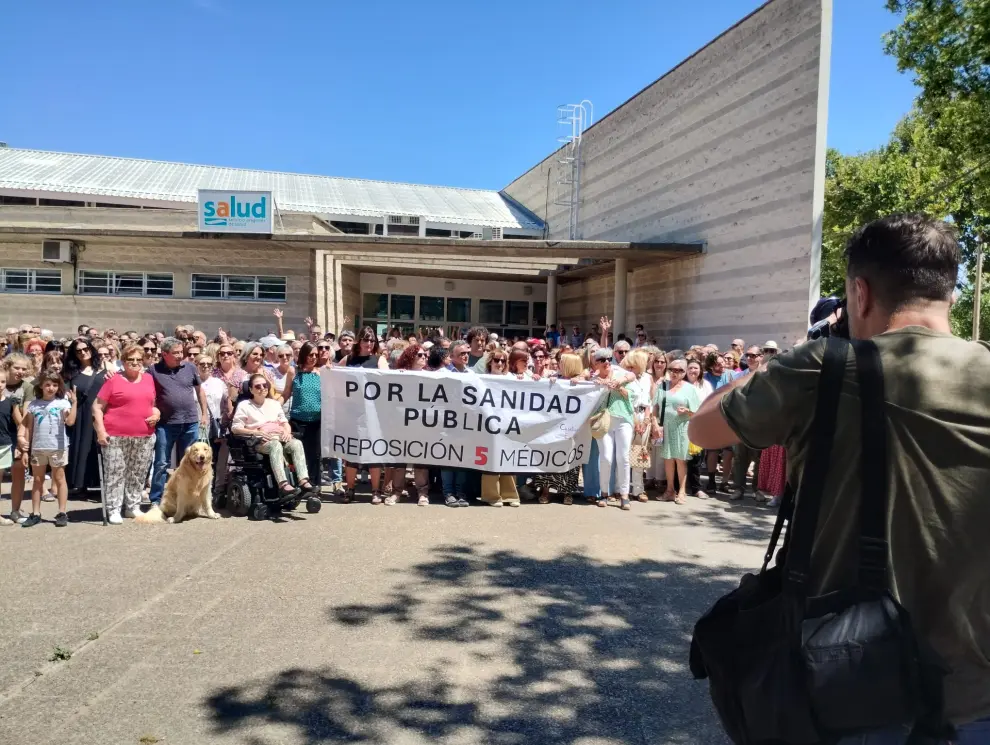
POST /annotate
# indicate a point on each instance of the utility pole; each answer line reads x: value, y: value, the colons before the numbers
x: 978, y: 288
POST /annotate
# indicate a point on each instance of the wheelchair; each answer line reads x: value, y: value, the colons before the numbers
x: 251, y: 489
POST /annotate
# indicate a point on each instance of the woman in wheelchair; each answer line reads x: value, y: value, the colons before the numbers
x: 263, y: 418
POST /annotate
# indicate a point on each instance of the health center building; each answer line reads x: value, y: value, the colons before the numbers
x: 693, y: 208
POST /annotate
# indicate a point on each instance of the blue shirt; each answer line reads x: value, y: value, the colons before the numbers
x: 176, y: 394
x: 306, y: 397
x: 717, y: 381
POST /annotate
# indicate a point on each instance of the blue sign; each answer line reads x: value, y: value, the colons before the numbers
x: 235, y: 211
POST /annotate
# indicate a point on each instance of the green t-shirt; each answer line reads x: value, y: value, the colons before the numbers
x: 937, y: 390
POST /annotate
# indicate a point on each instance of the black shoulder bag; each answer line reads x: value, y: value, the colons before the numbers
x: 787, y: 668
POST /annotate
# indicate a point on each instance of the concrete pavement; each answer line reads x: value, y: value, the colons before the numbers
x: 543, y: 624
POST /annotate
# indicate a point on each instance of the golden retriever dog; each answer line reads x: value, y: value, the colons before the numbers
x: 187, y: 492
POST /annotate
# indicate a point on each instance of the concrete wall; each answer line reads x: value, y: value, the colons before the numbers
x: 63, y: 313
x: 727, y: 148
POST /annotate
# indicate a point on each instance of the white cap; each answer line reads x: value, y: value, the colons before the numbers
x: 493, y: 337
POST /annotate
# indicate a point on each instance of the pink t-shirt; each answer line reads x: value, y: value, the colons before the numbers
x: 128, y: 405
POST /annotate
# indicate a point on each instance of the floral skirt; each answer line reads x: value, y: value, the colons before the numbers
x: 773, y: 470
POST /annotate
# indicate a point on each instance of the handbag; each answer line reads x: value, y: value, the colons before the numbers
x: 784, y: 667
x: 601, y: 420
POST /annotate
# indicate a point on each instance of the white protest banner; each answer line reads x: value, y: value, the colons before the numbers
x: 489, y: 423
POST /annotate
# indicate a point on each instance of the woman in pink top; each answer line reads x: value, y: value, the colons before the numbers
x: 124, y: 418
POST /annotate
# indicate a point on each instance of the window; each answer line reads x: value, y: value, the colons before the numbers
x: 459, y: 309
x: 31, y: 280
x: 238, y: 287
x: 431, y: 308
x: 134, y: 284
x: 517, y: 312
x: 375, y: 306
x: 403, y: 307
x: 540, y: 314
x: 490, y: 312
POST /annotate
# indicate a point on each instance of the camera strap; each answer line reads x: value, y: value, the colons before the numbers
x: 806, y: 508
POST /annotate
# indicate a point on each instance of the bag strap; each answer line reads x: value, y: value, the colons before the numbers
x: 783, y: 516
x: 873, y: 468
x: 797, y: 563
x: 663, y: 401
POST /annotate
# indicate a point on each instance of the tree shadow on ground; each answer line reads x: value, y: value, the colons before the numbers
x: 728, y: 522
x: 563, y: 650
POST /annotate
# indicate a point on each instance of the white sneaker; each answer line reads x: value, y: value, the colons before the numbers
x: 114, y: 518
x: 5, y: 521
x: 48, y: 497
x: 129, y: 513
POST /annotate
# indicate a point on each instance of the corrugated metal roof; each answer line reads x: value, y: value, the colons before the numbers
x: 97, y: 176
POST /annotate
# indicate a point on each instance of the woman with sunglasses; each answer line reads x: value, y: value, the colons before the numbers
x: 220, y: 409
x: 500, y: 488
x: 82, y: 373
x: 365, y: 353
x: 278, y: 373
x: 226, y: 368
x: 106, y: 362
x: 149, y: 349
x: 262, y: 417
x: 519, y: 364
x: 615, y: 444
x: 302, y: 384
x: 680, y: 402
x: 414, y: 357
x: 253, y: 363
x: 124, y: 419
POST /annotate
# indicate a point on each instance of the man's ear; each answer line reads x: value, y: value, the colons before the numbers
x: 865, y: 299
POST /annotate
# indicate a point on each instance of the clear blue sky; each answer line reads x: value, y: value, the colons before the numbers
x: 440, y: 91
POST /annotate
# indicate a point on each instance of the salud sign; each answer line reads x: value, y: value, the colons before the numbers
x: 222, y: 211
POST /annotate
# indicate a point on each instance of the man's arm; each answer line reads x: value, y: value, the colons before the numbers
x: 708, y: 428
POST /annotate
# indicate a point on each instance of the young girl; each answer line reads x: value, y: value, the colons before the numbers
x: 44, y: 428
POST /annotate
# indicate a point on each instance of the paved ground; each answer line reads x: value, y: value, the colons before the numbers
x: 391, y: 625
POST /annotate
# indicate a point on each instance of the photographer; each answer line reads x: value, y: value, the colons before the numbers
x: 901, y: 274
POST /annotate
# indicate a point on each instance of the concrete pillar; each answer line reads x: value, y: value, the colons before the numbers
x: 551, y: 299
x: 619, y: 312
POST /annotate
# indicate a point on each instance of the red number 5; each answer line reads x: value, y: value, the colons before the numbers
x: 480, y: 456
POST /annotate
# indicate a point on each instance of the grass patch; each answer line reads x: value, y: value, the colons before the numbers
x: 60, y: 654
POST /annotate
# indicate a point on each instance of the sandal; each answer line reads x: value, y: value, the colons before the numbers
x: 667, y: 497
x: 602, y: 503
x: 624, y: 505
x: 679, y: 499
x: 643, y: 498
x: 309, y: 486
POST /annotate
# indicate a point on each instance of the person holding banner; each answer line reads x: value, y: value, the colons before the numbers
x: 366, y: 353
x: 565, y: 484
x: 499, y: 488
x: 413, y: 358
x: 302, y: 383
x: 615, y: 444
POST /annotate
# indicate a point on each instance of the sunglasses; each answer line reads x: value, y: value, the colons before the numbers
x: 678, y: 370
x: 604, y: 359
x: 226, y: 354
x: 421, y: 355
x: 323, y: 348
x: 619, y: 351
x: 260, y: 387
x: 103, y: 353
x: 285, y: 356
x: 135, y: 360
x: 539, y: 356
x: 152, y: 350
x: 204, y: 364
x: 311, y: 354
x: 753, y: 356
x: 499, y: 361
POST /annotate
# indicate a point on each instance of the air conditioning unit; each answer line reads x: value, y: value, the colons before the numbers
x: 491, y: 234
x: 401, y: 220
x: 57, y: 252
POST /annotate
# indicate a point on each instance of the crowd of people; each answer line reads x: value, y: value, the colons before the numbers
x: 142, y: 399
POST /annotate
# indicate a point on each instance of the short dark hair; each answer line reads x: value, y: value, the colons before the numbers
x: 905, y: 258
x: 476, y: 331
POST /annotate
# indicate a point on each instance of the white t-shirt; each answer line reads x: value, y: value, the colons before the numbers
x: 216, y: 393
x: 49, y: 424
x: 268, y: 417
